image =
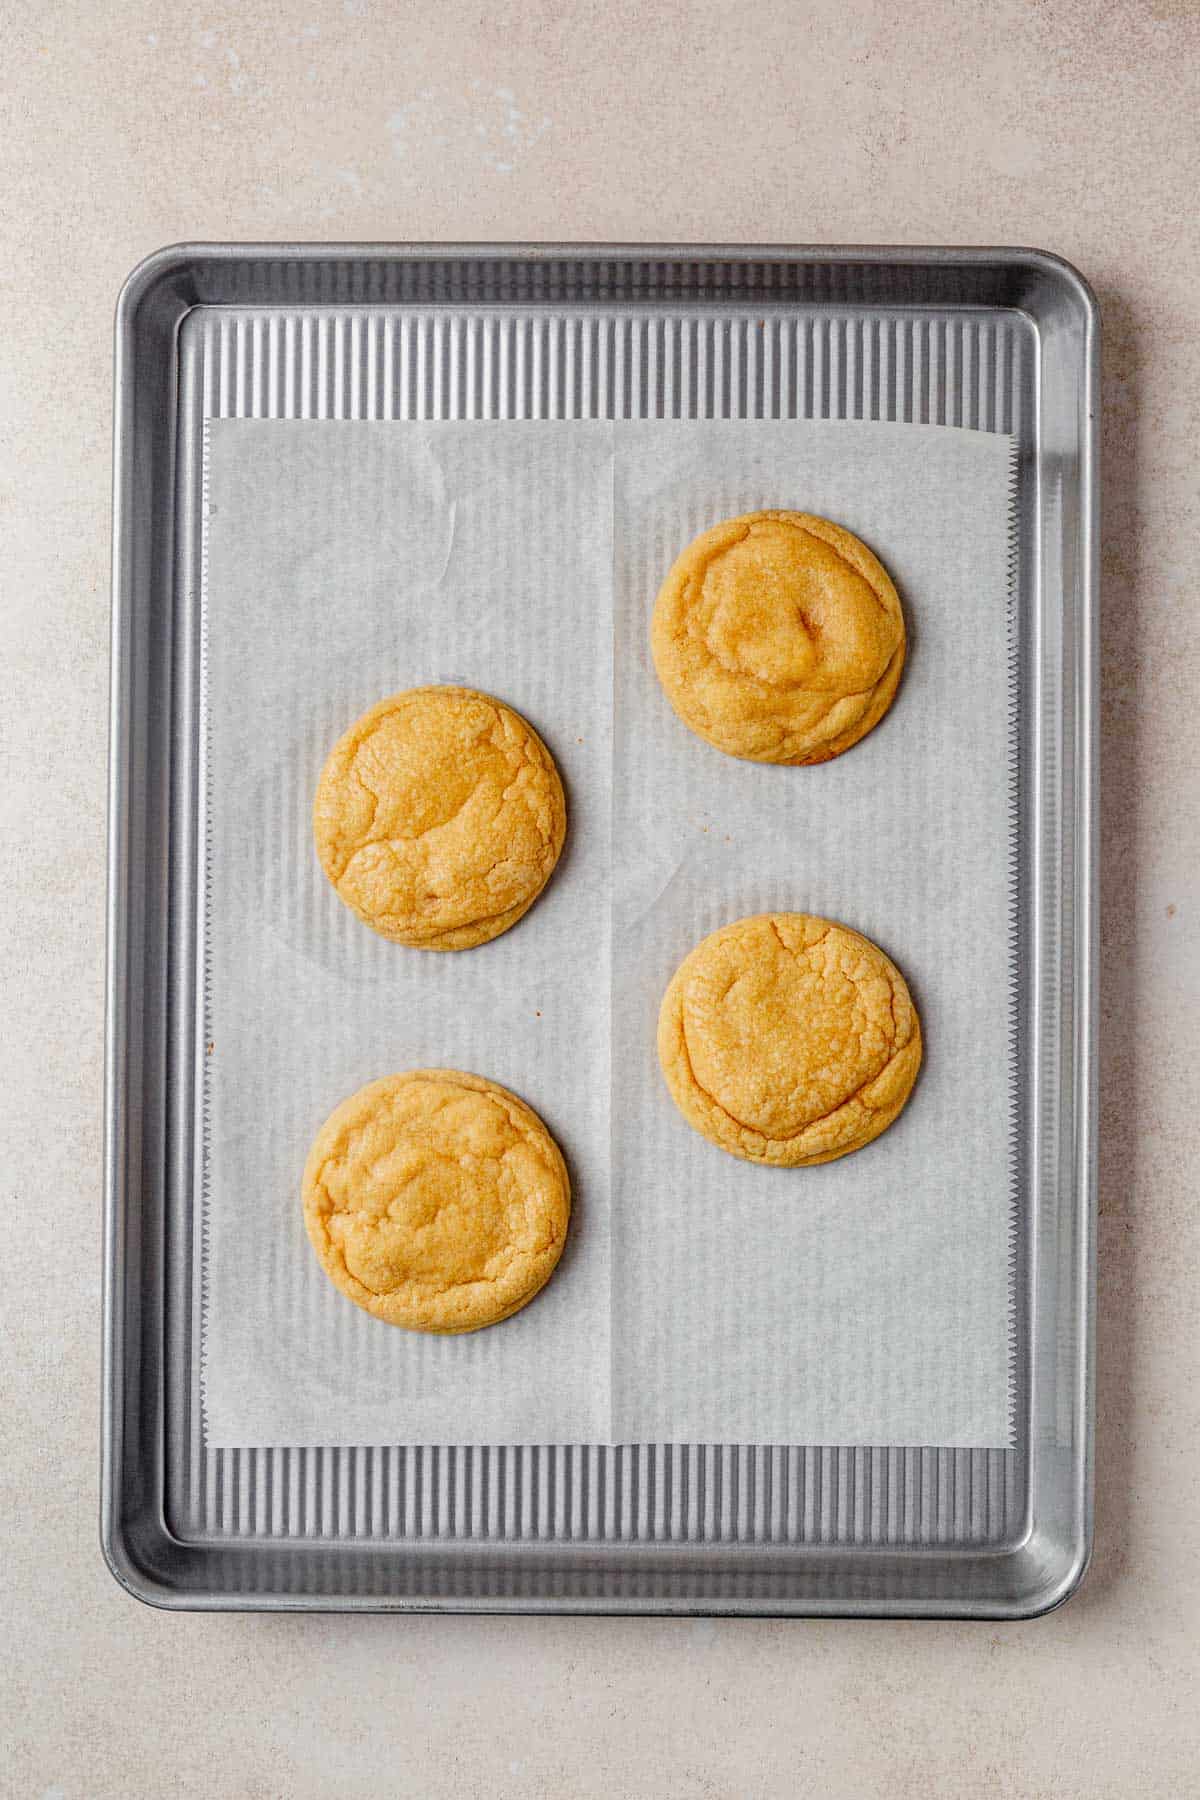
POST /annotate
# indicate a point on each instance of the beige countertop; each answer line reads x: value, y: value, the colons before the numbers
x: 127, y: 125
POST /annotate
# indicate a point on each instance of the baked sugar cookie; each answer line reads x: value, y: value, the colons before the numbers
x: 436, y: 1200
x: 439, y: 817
x: 788, y: 1039
x: 779, y: 637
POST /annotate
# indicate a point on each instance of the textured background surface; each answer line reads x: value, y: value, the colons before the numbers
x: 126, y: 126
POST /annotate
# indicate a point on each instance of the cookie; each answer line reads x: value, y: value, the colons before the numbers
x: 779, y: 638
x: 436, y: 1200
x: 439, y: 817
x: 788, y: 1039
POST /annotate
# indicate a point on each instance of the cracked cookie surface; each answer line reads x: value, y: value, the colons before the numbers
x: 439, y: 817
x: 779, y: 637
x: 788, y: 1039
x: 436, y: 1200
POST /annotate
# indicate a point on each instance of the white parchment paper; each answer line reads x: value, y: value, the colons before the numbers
x: 700, y: 1298
x: 865, y: 1301
x: 344, y: 562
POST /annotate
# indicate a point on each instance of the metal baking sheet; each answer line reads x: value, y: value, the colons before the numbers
x: 1001, y: 340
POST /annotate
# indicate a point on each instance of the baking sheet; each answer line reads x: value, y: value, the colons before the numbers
x: 863, y: 1302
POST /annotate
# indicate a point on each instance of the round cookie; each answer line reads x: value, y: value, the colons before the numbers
x: 439, y: 817
x: 788, y: 1039
x: 779, y: 637
x: 436, y: 1200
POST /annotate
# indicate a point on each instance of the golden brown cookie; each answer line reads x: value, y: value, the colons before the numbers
x: 788, y: 1039
x: 439, y: 817
x: 436, y: 1200
x: 779, y: 637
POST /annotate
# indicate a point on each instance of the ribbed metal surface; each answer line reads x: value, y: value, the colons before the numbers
x: 970, y: 371
x: 762, y: 360
x: 573, y: 1494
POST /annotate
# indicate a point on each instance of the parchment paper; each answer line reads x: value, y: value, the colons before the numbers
x: 866, y: 1301
x: 347, y: 561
